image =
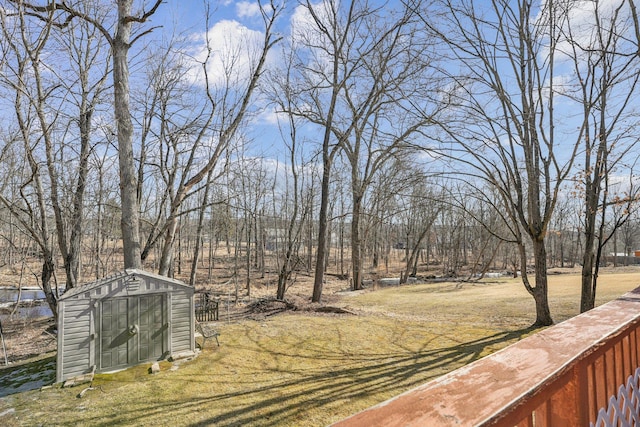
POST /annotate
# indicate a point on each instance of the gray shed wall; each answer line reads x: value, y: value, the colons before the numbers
x: 182, y: 322
x: 74, y: 344
x: 78, y: 327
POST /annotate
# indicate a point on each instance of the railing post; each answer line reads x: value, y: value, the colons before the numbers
x: 569, y: 406
x: 581, y: 373
x: 564, y: 411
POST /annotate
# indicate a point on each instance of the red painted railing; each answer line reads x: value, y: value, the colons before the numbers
x: 581, y: 372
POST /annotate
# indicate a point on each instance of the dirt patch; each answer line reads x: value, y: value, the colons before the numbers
x: 26, y: 339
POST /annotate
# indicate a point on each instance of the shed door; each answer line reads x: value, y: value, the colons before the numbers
x: 132, y: 330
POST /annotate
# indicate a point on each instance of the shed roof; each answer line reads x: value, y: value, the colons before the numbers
x: 119, y: 275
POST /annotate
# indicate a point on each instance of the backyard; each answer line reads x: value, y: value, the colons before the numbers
x: 303, y: 368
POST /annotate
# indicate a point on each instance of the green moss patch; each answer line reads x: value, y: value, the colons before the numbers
x: 27, y: 376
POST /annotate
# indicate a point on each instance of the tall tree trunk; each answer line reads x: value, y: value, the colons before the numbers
x: 587, y: 298
x: 293, y: 238
x: 166, y: 254
x: 341, y: 243
x: 321, y: 249
x: 540, y: 291
x: 249, y: 230
x: 356, y: 246
x: 412, y: 259
x: 48, y: 267
x: 72, y: 260
x: 199, y: 229
x: 128, y: 183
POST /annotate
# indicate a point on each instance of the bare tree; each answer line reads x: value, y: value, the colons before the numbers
x: 205, y: 202
x: 253, y: 188
x: 62, y: 98
x: 387, y: 201
x: 501, y: 123
x: 421, y: 208
x: 84, y: 80
x: 356, y: 65
x: 281, y: 91
x: 174, y: 127
x: 322, y: 79
x: 104, y: 216
x: 605, y: 68
x: 120, y: 42
x: 228, y: 106
x: 24, y: 45
x: 563, y: 233
x: 379, y: 128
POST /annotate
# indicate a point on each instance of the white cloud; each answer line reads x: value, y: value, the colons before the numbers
x: 303, y: 27
x: 247, y: 9
x: 580, y: 22
x: 272, y: 117
x: 234, y: 51
x: 314, y: 46
x: 578, y: 39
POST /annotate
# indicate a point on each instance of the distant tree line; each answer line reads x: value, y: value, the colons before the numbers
x: 463, y: 137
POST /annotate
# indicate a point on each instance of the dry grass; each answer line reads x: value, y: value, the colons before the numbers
x: 302, y: 369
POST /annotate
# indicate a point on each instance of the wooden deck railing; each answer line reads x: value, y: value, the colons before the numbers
x: 581, y: 372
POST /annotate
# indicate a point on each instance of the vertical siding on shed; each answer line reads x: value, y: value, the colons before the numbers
x: 74, y: 339
x: 79, y: 317
x: 181, y: 322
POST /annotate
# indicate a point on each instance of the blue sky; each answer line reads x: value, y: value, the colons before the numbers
x: 230, y: 19
x: 189, y: 16
x: 230, y: 22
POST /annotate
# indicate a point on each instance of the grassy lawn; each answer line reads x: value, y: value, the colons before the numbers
x: 301, y: 369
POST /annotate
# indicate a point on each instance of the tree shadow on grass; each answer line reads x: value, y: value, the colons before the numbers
x: 350, y: 377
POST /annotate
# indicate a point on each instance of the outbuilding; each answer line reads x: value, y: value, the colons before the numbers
x: 123, y: 320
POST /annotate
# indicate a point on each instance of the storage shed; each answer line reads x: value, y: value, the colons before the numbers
x: 122, y: 320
